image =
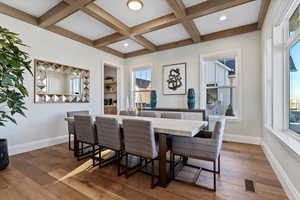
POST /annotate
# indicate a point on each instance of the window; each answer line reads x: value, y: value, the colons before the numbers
x: 75, y: 86
x: 293, y: 50
x: 142, y: 87
x: 220, y: 80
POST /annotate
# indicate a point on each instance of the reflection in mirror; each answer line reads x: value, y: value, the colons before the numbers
x: 56, y: 83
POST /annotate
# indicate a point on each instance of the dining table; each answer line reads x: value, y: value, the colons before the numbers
x: 164, y: 127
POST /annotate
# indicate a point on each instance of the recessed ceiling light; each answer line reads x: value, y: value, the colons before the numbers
x: 223, y: 17
x: 135, y: 4
x: 125, y: 44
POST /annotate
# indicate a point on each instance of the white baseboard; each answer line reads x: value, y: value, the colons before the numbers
x: 242, y: 139
x: 288, y: 186
x: 21, y: 148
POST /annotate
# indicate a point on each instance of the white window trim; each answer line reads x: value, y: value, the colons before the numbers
x: 230, y: 52
x: 131, y: 71
x: 288, y: 43
x: 280, y: 65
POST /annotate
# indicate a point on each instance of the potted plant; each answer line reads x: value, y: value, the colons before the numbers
x: 13, y: 64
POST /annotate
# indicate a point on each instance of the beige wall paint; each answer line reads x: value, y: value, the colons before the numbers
x: 251, y: 118
x: 46, y: 121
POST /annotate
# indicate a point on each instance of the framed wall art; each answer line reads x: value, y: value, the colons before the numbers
x: 174, y: 79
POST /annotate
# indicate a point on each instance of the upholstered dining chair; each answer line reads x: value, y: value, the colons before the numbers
x: 86, y: 135
x: 172, y: 115
x: 148, y: 114
x: 200, y: 148
x: 71, y: 127
x: 109, y: 137
x: 128, y: 113
x: 139, y: 141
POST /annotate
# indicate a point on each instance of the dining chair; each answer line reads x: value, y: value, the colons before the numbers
x: 85, y: 135
x: 128, y: 113
x: 172, y: 115
x: 139, y: 141
x: 201, y: 149
x: 109, y: 137
x: 148, y: 114
x: 71, y: 127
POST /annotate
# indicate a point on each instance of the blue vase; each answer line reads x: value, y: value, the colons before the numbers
x: 191, y: 98
x: 153, y: 99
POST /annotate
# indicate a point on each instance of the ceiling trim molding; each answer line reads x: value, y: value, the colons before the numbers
x: 101, y: 15
x: 18, y: 14
x: 263, y: 12
x: 25, y: 17
x: 199, y: 10
x: 180, y: 12
x: 181, y: 15
x: 204, y: 38
x: 60, y: 12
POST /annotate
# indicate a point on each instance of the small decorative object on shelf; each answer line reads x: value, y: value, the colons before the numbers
x: 191, y: 98
x: 153, y: 99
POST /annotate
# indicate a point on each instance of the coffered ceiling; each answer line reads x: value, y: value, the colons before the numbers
x: 109, y: 25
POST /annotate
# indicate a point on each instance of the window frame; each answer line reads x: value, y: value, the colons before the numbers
x: 288, y: 42
x: 132, y: 84
x: 237, y: 54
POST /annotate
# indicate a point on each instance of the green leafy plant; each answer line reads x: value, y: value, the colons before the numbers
x: 13, y: 64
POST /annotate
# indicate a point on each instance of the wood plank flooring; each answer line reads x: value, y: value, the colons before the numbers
x: 53, y: 173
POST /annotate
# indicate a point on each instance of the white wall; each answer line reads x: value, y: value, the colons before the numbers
x: 249, y: 127
x: 284, y: 160
x: 46, y: 121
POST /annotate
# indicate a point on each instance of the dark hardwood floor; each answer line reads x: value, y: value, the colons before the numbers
x: 53, y: 173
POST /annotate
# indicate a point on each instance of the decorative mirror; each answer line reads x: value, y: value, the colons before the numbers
x: 57, y: 83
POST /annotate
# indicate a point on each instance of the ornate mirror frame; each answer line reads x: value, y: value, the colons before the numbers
x: 41, y: 96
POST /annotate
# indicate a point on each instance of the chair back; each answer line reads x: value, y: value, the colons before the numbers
x: 217, y: 135
x: 148, y: 114
x: 139, y: 138
x: 85, y: 129
x: 172, y: 115
x: 108, y: 133
x: 128, y: 113
x: 71, y: 127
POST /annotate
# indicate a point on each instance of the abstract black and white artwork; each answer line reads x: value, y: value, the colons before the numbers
x: 174, y: 79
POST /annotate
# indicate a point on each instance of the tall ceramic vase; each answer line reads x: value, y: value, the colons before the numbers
x: 153, y: 99
x: 191, y: 98
x: 4, y: 159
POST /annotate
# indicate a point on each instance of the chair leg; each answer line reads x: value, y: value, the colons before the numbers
x: 126, y: 165
x: 219, y: 164
x: 100, y: 157
x: 69, y: 142
x: 119, y: 156
x: 152, y: 173
x: 214, y: 176
x: 93, y: 155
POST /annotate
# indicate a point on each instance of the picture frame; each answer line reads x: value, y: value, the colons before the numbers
x: 174, y: 79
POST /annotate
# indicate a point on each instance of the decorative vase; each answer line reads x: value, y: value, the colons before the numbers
x: 4, y: 159
x: 191, y: 98
x: 153, y: 99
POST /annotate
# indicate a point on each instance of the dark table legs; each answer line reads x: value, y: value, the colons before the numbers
x: 163, y: 174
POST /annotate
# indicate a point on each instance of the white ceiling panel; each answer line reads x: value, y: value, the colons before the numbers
x: 118, y: 8
x: 189, y: 3
x: 33, y: 7
x: 132, y: 46
x: 167, y: 35
x: 237, y: 16
x: 85, y: 25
